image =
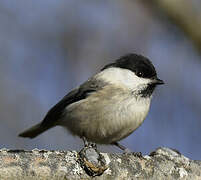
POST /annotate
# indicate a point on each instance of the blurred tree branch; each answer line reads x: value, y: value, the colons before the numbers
x: 184, y: 14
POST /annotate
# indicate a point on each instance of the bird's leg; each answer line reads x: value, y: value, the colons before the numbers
x: 85, y: 141
x: 88, y: 144
x: 126, y: 150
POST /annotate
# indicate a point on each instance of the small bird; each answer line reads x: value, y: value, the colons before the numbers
x: 109, y: 106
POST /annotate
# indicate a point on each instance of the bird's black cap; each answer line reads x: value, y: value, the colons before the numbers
x: 138, y: 64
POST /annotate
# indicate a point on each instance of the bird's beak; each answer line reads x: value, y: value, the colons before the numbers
x: 158, y: 81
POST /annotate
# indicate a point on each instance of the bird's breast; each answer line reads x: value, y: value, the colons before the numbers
x: 107, y: 116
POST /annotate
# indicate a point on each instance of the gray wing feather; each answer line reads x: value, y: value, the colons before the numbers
x: 75, y: 95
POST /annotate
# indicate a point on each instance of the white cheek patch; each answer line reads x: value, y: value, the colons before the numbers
x: 123, y: 77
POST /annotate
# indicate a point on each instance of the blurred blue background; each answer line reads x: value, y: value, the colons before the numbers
x: 49, y: 47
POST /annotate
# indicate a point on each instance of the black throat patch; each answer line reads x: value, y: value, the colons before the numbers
x: 147, y: 92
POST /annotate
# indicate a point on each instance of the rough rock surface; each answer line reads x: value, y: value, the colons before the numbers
x: 163, y: 163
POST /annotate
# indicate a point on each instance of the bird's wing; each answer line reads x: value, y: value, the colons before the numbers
x: 75, y: 95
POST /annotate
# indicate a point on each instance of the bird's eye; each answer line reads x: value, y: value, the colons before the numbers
x: 139, y: 74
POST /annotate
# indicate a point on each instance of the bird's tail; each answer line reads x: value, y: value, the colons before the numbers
x: 34, y: 131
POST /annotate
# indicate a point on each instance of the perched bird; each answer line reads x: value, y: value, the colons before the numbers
x: 109, y: 106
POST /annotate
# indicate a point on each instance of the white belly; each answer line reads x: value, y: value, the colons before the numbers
x: 125, y: 119
x: 104, y: 119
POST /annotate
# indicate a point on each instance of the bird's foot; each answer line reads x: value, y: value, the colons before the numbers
x: 89, y: 144
x: 137, y: 154
x: 127, y: 151
x: 92, y: 145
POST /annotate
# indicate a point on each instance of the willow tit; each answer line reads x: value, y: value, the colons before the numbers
x: 107, y: 107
